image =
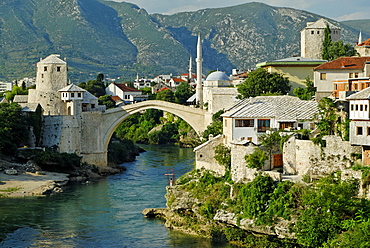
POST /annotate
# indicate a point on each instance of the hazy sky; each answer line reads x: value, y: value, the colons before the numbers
x: 339, y: 10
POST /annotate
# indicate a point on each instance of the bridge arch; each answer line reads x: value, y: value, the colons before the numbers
x: 195, y: 117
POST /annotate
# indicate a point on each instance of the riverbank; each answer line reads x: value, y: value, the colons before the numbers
x: 24, y: 180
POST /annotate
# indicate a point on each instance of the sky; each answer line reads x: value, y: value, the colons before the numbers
x: 339, y: 10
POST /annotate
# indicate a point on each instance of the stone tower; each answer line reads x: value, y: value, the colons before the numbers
x: 51, y: 76
x: 312, y: 37
x: 199, y: 88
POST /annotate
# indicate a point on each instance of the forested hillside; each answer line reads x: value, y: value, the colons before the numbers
x: 122, y: 39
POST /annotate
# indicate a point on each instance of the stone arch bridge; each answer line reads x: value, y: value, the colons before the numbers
x: 197, y: 118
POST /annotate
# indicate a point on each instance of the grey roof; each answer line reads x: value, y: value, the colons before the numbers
x: 321, y: 23
x: 286, y: 108
x: 87, y: 97
x: 218, y: 76
x: 52, y: 59
x: 300, y: 59
x: 20, y: 98
x: 361, y: 95
x: 72, y: 88
x: 29, y: 107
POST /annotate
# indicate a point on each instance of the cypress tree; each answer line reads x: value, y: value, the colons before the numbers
x: 326, y: 43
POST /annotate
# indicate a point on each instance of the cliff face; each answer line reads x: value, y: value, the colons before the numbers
x: 181, y: 207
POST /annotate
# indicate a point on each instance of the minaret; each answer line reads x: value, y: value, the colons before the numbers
x: 360, y: 38
x: 190, y: 70
x: 199, y: 60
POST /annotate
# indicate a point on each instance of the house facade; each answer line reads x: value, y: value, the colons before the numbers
x: 340, y: 75
x: 250, y: 118
x: 128, y: 94
x: 296, y: 69
x: 359, y: 114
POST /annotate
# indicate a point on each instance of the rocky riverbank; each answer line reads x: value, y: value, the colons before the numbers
x: 23, y: 180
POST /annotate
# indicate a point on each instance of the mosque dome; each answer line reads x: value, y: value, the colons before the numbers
x: 218, y: 76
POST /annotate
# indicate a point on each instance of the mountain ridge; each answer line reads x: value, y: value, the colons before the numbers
x: 123, y: 40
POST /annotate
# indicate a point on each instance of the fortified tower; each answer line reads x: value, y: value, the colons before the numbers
x: 312, y: 37
x: 51, y: 76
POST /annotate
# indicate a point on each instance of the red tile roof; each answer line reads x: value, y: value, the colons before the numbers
x: 164, y: 88
x: 116, y: 98
x: 178, y: 80
x: 365, y: 43
x: 344, y: 63
x: 124, y: 87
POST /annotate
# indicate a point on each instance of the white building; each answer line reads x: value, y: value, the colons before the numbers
x: 129, y: 95
x: 252, y: 117
x: 359, y: 114
x: 5, y: 86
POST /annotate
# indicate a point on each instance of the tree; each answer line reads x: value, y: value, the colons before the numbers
x: 338, y: 49
x: 107, y: 101
x: 327, y: 117
x: 333, y: 50
x: 13, y: 127
x: 270, y: 142
x: 183, y: 92
x: 261, y: 82
x: 95, y: 87
x: 216, y: 127
x: 256, y: 159
x: 223, y: 155
x: 16, y: 90
x: 326, y: 43
x: 165, y: 95
x: 306, y: 93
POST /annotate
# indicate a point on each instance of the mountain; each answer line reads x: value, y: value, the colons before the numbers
x: 362, y: 25
x: 121, y: 39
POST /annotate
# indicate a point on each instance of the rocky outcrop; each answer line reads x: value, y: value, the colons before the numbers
x: 279, y: 229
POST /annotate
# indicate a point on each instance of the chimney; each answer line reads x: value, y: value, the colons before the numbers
x: 343, y: 64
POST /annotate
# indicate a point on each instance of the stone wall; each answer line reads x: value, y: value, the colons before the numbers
x: 204, y: 155
x: 239, y: 171
x: 303, y: 157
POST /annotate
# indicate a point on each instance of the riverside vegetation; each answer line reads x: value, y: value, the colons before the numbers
x: 325, y: 213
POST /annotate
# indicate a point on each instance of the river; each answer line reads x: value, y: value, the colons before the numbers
x: 105, y: 213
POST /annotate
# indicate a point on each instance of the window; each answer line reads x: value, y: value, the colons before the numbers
x: 359, y: 130
x: 322, y: 76
x: 263, y: 125
x: 352, y: 107
x: 72, y: 94
x: 42, y: 75
x: 45, y: 68
x: 355, y: 86
x: 365, y: 107
x: 335, y: 87
x: 79, y: 94
x: 356, y: 75
x: 312, y: 32
x: 351, y: 75
x: 318, y: 32
x: 58, y: 68
x: 361, y: 107
x: 244, y: 123
x: 368, y: 130
x: 356, y: 107
x: 92, y: 106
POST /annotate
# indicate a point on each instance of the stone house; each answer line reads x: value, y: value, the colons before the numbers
x: 341, y: 76
x: 174, y: 82
x: 128, y: 94
x: 359, y: 114
x: 252, y: 117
